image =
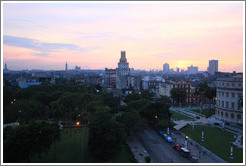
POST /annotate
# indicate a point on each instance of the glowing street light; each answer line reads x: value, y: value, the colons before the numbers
x: 77, y: 123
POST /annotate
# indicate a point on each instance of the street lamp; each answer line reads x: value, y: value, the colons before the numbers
x: 186, y: 142
x: 231, y: 156
x: 193, y: 124
x: 202, y: 135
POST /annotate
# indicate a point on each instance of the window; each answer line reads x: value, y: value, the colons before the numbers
x: 226, y: 114
x: 233, y: 95
x: 227, y: 104
x: 222, y: 114
x: 222, y: 105
x: 232, y: 105
x: 227, y: 94
x: 239, y: 84
x: 233, y: 84
x: 222, y: 94
x: 232, y: 116
x: 227, y: 84
x: 239, y: 95
x: 219, y: 102
x: 218, y: 112
x: 222, y: 84
x: 238, y: 116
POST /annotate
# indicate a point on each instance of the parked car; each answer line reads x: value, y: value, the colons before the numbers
x: 193, y: 157
x: 184, y: 152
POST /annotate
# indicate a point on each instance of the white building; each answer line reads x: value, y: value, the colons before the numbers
x: 213, y: 66
x: 229, y: 94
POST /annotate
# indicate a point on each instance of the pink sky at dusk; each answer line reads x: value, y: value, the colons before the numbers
x: 91, y: 35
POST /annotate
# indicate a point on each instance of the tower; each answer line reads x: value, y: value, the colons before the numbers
x: 122, y: 72
x: 66, y: 66
x: 5, y: 68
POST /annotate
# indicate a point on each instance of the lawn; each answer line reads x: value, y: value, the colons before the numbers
x: 66, y: 153
x: 216, y: 140
x: 207, y: 111
x: 178, y: 116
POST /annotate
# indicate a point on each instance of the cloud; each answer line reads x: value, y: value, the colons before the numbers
x: 43, y: 54
x: 36, y: 44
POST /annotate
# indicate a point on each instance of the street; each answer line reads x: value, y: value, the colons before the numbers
x: 159, y: 150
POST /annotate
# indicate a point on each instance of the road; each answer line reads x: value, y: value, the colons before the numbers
x: 159, y: 150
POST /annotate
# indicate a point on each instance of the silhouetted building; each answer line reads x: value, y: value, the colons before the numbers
x: 166, y: 68
x: 213, y: 66
x: 122, y: 72
x: 110, y: 78
x: 66, y: 66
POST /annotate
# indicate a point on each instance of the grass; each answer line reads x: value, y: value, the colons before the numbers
x: 66, y: 153
x: 207, y: 111
x: 178, y: 116
x: 217, y: 141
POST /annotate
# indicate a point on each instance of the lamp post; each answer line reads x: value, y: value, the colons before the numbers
x: 201, y: 108
x: 193, y: 124
x: 82, y: 147
x: 231, y: 155
x: 168, y: 131
x: 202, y: 134
x: 186, y: 141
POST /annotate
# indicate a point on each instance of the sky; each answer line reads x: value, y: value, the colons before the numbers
x: 92, y: 35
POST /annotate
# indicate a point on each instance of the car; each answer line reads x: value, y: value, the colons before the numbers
x: 193, y: 157
x: 177, y: 147
x: 184, y: 152
x: 168, y: 139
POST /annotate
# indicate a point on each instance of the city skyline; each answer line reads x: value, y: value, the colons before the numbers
x: 91, y: 35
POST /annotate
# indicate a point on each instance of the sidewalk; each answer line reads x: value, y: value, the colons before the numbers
x: 204, y: 155
x: 137, y: 149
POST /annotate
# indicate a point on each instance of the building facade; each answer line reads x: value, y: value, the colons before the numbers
x: 213, y: 66
x: 229, y: 94
x: 185, y: 86
x: 192, y: 69
x: 122, y: 72
x: 110, y: 78
x: 165, y: 89
x: 166, y: 68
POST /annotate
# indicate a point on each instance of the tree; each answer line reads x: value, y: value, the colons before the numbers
x: 69, y: 101
x: 129, y: 119
x: 178, y: 95
x: 27, y: 140
x: 210, y: 93
x: 106, y: 135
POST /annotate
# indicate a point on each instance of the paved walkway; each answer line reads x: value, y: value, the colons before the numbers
x: 137, y: 149
x: 194, y: 148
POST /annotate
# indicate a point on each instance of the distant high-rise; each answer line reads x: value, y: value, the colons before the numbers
x: 213, y: 66
x: 166, y: 68
x: 6, y: 67
x: 192, y: 69
x: 177, y: 70
x: 66, y: 66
